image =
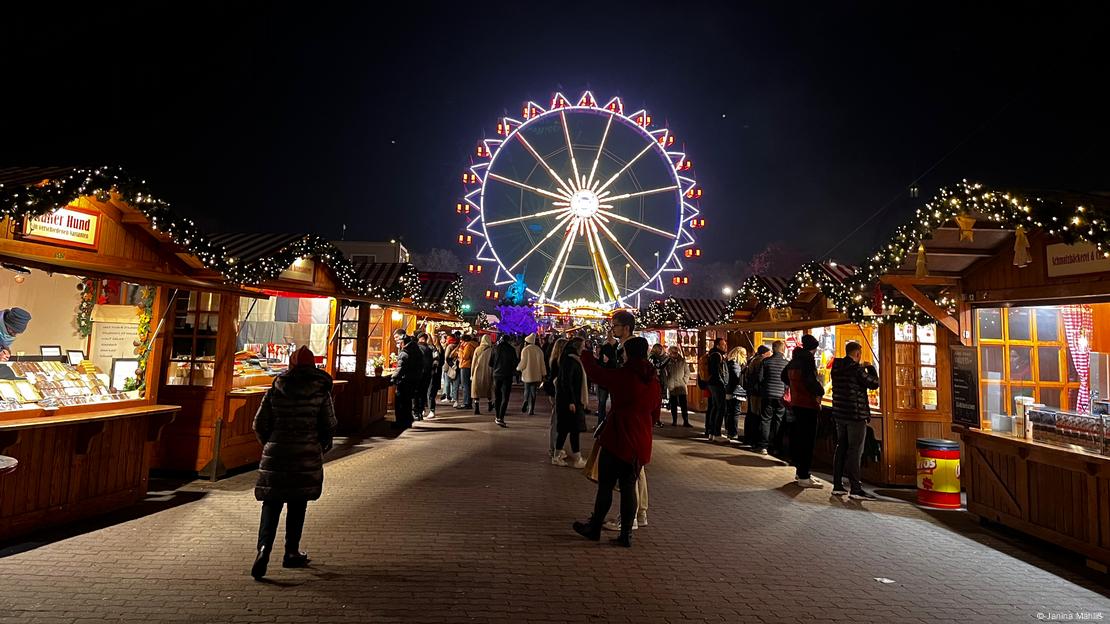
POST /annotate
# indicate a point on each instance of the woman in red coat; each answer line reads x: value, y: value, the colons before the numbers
x: 626, y: 435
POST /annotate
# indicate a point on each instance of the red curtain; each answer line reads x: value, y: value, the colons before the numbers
x: 1079, y: 326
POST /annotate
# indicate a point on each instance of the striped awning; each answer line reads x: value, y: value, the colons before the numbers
x: 22, y: 176
x: 774, y: 284
x: 249, y: 248
x: 838, y: 272
x: 701, y: 310
x: 434, y: 286
x: 381, y: 274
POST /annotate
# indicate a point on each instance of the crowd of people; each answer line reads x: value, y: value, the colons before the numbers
x: 780, y: 399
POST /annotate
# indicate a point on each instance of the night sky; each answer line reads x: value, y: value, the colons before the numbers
x: 802, y: 119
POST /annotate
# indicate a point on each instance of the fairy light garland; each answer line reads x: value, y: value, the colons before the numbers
x: 1004, y: 210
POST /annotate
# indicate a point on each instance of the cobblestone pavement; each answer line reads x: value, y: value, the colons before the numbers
x: 458, y: 520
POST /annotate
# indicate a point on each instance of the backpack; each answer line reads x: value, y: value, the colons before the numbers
x: 703, y: 370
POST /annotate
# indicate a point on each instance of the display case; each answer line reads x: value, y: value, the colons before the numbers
x: 49, y: 385
x: 1081, y: 432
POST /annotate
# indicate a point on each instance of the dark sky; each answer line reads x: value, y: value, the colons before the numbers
x: 802, y: 119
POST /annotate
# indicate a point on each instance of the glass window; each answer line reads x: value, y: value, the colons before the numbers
x: 1021, y: 364
x: 928, y: 355
x: 991, y: 362
x: 1048, y: 323
x: 1051, y: 397
x: 193, y: 344
x: 995, y: 398
x: 1048, y: 363
x: 1018, y: 323
x: 904, y: 354
x: 903, y: 332
x: 929, y: 399
x: 990, y: 324
x: 905, y: 399
x: 928, y: 377
x: 927, y: 334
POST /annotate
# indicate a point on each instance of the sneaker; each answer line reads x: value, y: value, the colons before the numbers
x: 863, y: 495
x: 808, y: 483
x: 659, y: 424
x: 558, y: 461
x: 615, y: 525
x: 430, y: 416
x: 641, y: 520
x: 580, y: 463
x: 587, y: 530
x: 501, y: 423
x: 764, y: 452
x: 839, y: 491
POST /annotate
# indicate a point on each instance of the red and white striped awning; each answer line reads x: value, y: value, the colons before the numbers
x: 702, y: 310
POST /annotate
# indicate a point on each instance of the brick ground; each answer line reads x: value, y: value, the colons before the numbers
x: 460, y: 521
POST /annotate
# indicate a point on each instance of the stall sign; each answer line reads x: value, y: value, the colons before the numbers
x: 1076, y: 259
x: 965, y: 386
x: 71, y: 226
x: 300, y: 271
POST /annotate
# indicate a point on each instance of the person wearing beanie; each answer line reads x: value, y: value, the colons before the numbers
x: 407, y: 376
x: 295, y: 425
x: 806, y: 390
x: 13, y: 322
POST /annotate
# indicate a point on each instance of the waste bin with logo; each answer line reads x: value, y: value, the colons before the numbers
x: 938, y: 473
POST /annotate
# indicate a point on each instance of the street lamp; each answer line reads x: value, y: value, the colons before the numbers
x: 626, y: 267
x: 657, y: 261
x: 727, y: 291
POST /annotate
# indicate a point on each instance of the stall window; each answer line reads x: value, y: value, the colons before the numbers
x: 376, y: 348
x: 193, y: 352
x: 915, y: 366
x: 1023, y: 353
x: 348, y: 339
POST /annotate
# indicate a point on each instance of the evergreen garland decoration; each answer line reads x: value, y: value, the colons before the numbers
x: 1072, y: 224
x: 83, y: 318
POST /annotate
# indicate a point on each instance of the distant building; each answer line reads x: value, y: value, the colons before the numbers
x: 365, y: 252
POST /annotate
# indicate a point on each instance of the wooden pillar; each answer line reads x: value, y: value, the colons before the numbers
x: 155, y: 368
x: 227, y: 336
x: 334, y: 312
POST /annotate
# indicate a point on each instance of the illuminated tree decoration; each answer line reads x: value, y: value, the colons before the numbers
x: 516, y: 320
x: 574, y: 191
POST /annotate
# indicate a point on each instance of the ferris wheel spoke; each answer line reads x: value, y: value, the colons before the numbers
x: 570, y: 149
x: 600, y: 148
x: 578, y: 225
x: 534, y: 215
x: 609, y: 279
x: 559, y: 257
x: 595, y: 258
x: 641, y: 193
x: 625, y: 167
x: 620, y: 247
x: 550, y: 171
x: 636, y: 224
x: 560, y: 225
x: 539, y: 191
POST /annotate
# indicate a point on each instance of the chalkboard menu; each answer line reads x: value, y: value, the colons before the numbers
x: 965, y: 386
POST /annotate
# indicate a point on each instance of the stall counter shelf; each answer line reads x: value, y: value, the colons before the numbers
x: 76, y: 462
x: 1050, y: 492
x: 235, y: 444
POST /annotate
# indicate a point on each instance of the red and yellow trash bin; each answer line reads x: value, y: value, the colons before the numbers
x: 938, y: 473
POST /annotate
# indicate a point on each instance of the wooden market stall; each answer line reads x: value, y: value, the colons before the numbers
x: 682, y: 322
x: 94, y: 259
x: 223, y: 350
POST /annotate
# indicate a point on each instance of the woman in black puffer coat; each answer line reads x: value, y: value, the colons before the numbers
x: 295, y: 425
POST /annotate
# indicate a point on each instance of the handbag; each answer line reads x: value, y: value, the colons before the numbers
x: 590, y: 469
x: 452, y: 371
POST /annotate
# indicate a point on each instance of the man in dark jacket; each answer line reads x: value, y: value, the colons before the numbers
x: 805, y: 401
x: 410, y: 368
x: 850, y: 382
x: 427, y: 361
x: 503, y: 361
x: 295, y: 425
x: 718, y: 379
x: 771, y: 391
x: 753, y: 418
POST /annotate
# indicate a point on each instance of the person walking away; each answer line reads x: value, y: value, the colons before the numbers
x: 658, y: 359
x: 625, y: 438
x: 427, y: 362
x: 466, y: 361
x: 295, y: 425
x: 436, y: 376
x: 451, y: 369
x: 736, y: 360
x: 755, y: 402
x: 410, y: 367
x: 851, y: 380
x: 481, y: 375
x: 532, y: 371
x: 570, y: 403
x: 607, y: 357
x: 554, y: 452
x: 806, y: 390
x: 771, y: 390
x: 504, y: 363
x: 716, y: 381
x: 676, y: 376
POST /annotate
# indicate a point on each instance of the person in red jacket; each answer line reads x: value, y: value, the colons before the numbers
x: 625, y: 437
x: 800, y: 376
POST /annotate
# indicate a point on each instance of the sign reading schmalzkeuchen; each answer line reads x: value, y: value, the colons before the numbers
x: 72, y: 226
x: 1077, y: 259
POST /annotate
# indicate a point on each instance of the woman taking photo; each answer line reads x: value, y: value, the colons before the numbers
x: 625, y: 437
x: 570, y: 404
x: 295, y: 425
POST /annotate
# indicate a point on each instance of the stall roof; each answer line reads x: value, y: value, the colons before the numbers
x: 682, y: 312
x: 441, y: 292
x: 250, y: 248
x: 701, y: 311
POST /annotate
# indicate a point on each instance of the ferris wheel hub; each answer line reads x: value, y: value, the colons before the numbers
x: 584, y: 203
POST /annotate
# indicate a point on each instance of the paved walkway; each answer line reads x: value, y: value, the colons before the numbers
x: 458, y: 520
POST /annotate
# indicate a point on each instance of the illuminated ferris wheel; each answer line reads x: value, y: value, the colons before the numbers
x: 579, y: 203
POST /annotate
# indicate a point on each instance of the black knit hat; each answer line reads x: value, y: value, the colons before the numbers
x: 16, y: 319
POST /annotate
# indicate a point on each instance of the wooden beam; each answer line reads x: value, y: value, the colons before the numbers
x: 925, y: 303
x: 958, y: 252
x: 928, y: 280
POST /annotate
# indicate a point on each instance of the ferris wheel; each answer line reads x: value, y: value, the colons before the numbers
x: 582, y: 203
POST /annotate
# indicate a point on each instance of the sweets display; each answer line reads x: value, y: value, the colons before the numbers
x: 54, y: 384
x: 1085, y: 431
